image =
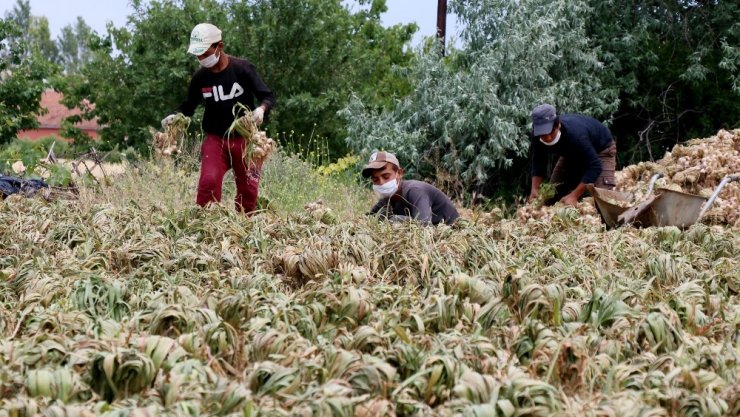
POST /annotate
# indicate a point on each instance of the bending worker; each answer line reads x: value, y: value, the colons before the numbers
x: 586, y: 150
x: 405, y: 200
x: 221, y: 82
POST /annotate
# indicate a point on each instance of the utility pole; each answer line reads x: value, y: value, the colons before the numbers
x: 441, y: 22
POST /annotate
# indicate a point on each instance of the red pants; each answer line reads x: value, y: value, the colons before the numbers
x: 218, y: 155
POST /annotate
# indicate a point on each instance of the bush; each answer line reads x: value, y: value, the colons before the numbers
x: 468, y: 114
x: 30, y: 152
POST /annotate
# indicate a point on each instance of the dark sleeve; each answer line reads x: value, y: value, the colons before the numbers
x: 539, y: 159
x: 421, y: 205
x: 259, y: 88
x: 194, y: 98
x: 379, y: 205
x: 590, y: 158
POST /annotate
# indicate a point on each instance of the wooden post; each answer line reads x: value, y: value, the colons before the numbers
x: 441, y: 22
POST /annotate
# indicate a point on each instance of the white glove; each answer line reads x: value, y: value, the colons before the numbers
x: 258, y: 115
x: 167, y: 120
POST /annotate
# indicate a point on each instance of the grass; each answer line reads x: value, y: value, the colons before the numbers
x: 288, y: 183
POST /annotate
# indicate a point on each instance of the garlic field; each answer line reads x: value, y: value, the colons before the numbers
x: 124, y: 306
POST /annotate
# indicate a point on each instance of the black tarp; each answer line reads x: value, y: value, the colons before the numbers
x: 13, y: 185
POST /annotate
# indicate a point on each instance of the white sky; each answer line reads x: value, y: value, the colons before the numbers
x: 97, y: 12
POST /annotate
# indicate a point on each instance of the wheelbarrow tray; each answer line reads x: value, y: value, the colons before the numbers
x: 666, y: 208
x: 606, y: 206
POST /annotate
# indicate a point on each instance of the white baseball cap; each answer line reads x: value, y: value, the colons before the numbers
x: 202, y: 37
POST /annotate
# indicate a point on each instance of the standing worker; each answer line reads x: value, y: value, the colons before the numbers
x: 405, y: 200
x: 586, y: 149
x: 223, y: 81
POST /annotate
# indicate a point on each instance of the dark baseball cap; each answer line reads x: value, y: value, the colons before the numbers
x: 543, y: 118
x: 378, y: 160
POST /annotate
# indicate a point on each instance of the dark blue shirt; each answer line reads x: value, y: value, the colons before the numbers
x: 581, y: 139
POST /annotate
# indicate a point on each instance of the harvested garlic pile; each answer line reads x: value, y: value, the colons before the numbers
x: 696, y: 167
x: 585, y: 208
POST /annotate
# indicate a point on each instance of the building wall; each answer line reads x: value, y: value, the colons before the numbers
x: 44, y: 132
x: 51, y: 121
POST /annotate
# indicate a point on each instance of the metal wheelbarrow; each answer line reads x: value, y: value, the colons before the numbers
x: 664, y: 208
x: 611, y: 204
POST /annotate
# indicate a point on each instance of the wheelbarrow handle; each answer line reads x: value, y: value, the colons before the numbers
x: 652, y: 182
x: 722, y: 183
x: 631, y: 214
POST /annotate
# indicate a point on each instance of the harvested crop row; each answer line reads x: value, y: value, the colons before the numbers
x: 129, y: 308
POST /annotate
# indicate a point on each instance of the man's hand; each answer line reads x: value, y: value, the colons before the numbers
x: 258, y: 115
x: 535, y: 190
x: 167, y: 120
x: 570, y: 199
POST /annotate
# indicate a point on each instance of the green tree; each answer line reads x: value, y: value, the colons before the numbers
x: 139, y: 73
x: 34, y: 35
x: 22, y: 80
x: 73, y: 45
x: 467, y: 116
x: 676, y: 64
x: 313, y: 53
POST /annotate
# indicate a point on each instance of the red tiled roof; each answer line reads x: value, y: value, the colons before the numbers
x: 57, y: 112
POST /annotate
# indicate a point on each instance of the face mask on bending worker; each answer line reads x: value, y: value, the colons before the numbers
x: 387, y: 189
x: 552, y: 142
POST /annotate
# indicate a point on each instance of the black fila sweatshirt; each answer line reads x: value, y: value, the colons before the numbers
x: 237, y: 83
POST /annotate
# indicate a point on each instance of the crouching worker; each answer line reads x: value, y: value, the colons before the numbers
x: 586, y: 150
x: 405, y: 200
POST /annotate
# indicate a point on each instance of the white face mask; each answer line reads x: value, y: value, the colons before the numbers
x: 209, y: 61
x: 554, y: 141
x: 387, y: 189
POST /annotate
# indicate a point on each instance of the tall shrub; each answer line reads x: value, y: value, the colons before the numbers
x: 467, y: 115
